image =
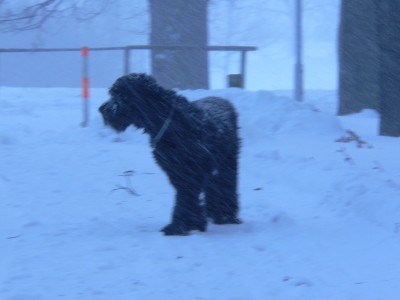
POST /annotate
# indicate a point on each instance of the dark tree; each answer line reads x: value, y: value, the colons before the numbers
x: 179, y: 23
x: 388, y: 12
x: 358, y: 57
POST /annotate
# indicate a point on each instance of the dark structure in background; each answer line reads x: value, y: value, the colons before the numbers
x: 179, y: 23
x: 235, y: 80
x: 369, y: 57
x: 388, y: 27
x: 358, y: 57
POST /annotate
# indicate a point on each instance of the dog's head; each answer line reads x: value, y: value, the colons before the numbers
x: 130, y: 101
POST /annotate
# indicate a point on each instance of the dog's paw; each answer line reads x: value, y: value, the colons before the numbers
x: 226, y: 220
x: 182, y: 229
x: 173, y: 229
x: 200, y: 226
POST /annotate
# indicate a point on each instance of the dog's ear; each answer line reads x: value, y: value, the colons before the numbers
x: 146, y: 82
x: 136, y: 84
x: 119, y: 88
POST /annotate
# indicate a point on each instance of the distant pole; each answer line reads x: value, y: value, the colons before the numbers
x: 243, y: 66
x: 85, y: 86
x: 298, y: 44
x: 126, y: 60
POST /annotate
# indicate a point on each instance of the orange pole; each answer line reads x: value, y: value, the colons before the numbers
x: 85, y: 86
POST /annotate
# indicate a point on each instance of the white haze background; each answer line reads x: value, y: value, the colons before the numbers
x: 268, y: 25
x: 321, y: 218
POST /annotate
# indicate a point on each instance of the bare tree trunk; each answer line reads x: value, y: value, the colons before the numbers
x: 388, y: 12
x: 179, y: 23
x: 358, y: 57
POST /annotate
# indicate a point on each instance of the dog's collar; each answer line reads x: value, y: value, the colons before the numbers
x: 164, y: 127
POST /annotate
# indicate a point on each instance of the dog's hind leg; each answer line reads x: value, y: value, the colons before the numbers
x: 221, y: 197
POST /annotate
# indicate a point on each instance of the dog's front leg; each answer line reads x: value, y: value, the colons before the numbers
x: 188, y: 213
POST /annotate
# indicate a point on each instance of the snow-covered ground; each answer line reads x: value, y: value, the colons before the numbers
x: 321, y: 218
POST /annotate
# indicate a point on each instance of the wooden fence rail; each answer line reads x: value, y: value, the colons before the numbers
x: 126, y: 50
x: 242, y: 49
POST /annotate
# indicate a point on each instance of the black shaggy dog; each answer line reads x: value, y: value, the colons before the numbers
x: 195, y: 143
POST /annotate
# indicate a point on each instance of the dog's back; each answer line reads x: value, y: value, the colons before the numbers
x: 219, y: 117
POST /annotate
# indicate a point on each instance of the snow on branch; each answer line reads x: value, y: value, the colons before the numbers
x: 352, y: 136
x: 17, y: 17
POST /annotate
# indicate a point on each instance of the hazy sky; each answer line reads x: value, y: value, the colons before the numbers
x: 267, y: 25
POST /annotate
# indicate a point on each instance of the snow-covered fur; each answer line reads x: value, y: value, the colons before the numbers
x: 195, y: 143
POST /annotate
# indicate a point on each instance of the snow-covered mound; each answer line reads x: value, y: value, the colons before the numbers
x: 321, y: 218
x: 263, y: 113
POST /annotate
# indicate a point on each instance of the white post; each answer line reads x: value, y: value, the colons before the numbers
x: 298, y: 94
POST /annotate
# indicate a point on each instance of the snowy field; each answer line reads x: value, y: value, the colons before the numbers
x: 321, y: 218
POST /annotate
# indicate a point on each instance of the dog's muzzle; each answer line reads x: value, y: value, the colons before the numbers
x: 108, y: 109
x: 114, y: 116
